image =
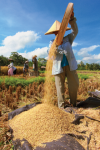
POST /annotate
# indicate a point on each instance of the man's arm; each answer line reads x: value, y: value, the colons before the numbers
x: 74, y: 28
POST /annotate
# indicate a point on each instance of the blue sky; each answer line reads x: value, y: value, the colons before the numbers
x: 23, y: 24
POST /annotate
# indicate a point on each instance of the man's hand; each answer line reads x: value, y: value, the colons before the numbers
x: 72, y: 15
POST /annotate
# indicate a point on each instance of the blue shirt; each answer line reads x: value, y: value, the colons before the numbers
x: 64, y: 61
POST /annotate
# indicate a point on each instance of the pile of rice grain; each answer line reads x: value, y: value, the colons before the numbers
x: 41, y: 124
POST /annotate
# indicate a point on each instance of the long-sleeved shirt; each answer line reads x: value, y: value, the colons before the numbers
x: 66, y: 49
x: 11, y: 65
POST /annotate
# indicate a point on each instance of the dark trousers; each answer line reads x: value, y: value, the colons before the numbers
x: 14, y: 72
x: 73, y: 84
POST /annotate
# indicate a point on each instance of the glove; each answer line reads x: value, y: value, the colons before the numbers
x: 60, y: 51
x: 65, y: 52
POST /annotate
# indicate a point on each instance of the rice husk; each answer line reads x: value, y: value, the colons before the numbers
x: 41, y: 124
x: 90, y: 126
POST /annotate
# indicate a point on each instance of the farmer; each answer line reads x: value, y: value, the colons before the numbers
x: 35, y: 63
x: 65, y: 65
x: 10, y: 67
x: 25, y: 69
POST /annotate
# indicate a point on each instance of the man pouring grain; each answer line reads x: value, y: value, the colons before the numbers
x: 64, y: 64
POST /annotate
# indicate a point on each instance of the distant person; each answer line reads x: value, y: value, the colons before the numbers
x: 10, y: 67
x: 25, y: 69
x: 35, y: 63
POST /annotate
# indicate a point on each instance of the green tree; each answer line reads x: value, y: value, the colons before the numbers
x: 18, y: 59
x: 81, y: 66
x: 3, y: 61
x: 87, y: 66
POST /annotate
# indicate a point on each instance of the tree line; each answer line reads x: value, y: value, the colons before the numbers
x: 92, y: 66
x: 19, y: 60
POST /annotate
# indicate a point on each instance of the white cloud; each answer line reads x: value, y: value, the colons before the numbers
x: 40, y: 52
x: 78, y: 61
x: 93, y: 59
x: 84, y: 51
x: 75, y: 51
x: 18, y: 41
x: 75, y: 44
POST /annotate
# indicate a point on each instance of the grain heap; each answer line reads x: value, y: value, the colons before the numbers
x: 43, y: 123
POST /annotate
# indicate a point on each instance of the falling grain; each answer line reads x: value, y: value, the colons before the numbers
x: 48, y: 89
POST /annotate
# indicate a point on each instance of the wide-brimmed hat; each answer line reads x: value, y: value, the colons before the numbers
x: 34, y: 56
x: 10, y: 59
x: 55, y: 28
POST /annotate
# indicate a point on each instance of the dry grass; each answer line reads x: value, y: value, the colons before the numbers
x: 90, y: 126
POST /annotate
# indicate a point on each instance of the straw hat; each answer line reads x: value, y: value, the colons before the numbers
x: 34, y: 56
x: 10, y: 59
x: 55, y: 28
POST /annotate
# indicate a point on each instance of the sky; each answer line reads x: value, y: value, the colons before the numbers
x: 23, y: 24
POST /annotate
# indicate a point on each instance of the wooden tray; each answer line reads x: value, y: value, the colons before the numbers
x: 64, y: 23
